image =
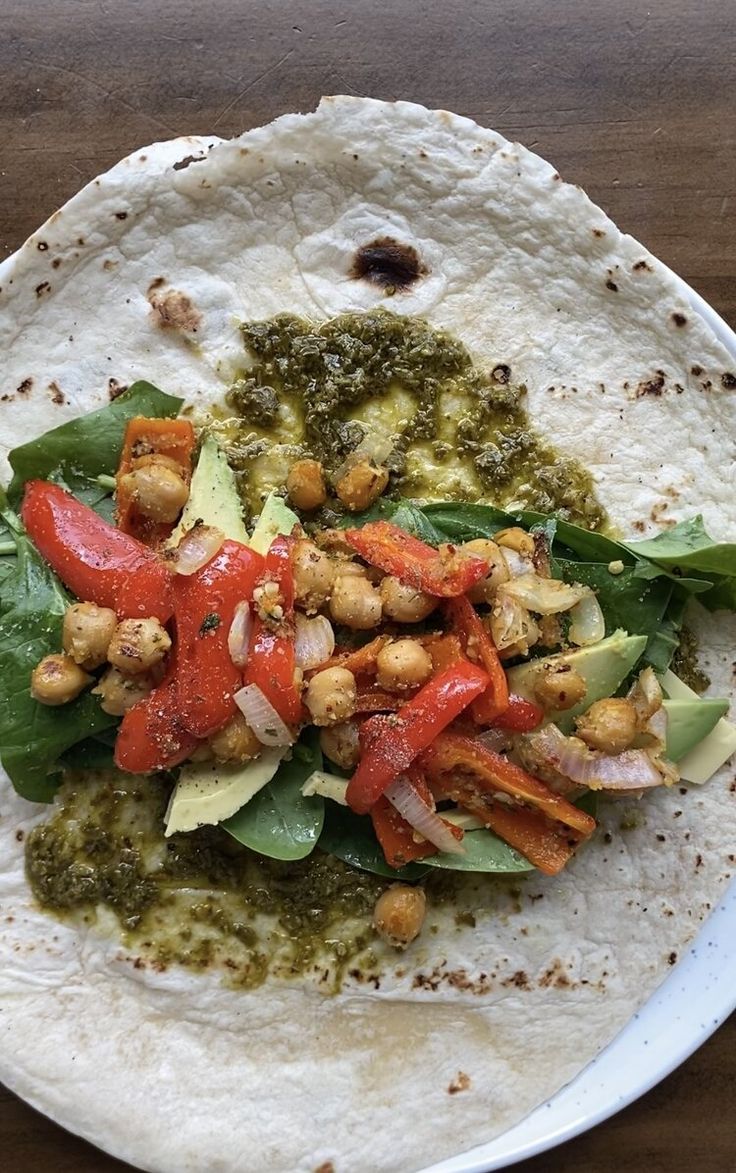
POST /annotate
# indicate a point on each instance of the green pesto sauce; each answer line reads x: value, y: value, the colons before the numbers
x: 685, y: 662
x: 199, y: 899
x: 458, y: 433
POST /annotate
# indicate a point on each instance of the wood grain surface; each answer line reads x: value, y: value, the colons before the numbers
x: 635, y: 102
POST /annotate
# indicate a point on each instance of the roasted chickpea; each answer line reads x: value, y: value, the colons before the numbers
x: 138, y: 645
x: 399, y: 914
x: 331, y: 696
x: 305, y: 484
x: 361, y: 485
x: 159, y: 492
x: 355, y: 603
x: 608, y: 725
x: 340, y: 744
x: 56, y: 680
x: 314, y: 576
x: 120, y: 692
x: 485, y: 590
x: 403, y: 664
x: 87, y: 632
x: 405, y: 603
x: 516, y: 539
x: 559, y: 686
x: 235, y: 742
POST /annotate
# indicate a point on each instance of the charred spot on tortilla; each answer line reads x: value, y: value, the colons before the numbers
x: 460, y: 1083
x: 121, y: 215
x: 639, y: 266
x: 24, y: 387
x: 678, y: 318
x: 728, y: 381
x: 57, y: 395
x: 611, y: 285
x: 42, y: 246
x: 42, y: 288
x: 182, y: 164
x: 389, y: 264
x: 173, y: 310
x: 501, y: 373
x: 653, y: 386
x: 114, y: 388
x: 599, y: 232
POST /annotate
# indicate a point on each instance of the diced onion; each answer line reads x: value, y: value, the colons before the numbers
x: 327, y: 785
x: 314, y: 642
x: 198, y: 546
x: 374, y: 447
x: 544, y: 596
x: 588, y: 625
x: 238, y: 638
x: 511, y: 624
x: 262, y: 716
x: 517, y: 564
x: 645, y: 695
x: 402, y: 795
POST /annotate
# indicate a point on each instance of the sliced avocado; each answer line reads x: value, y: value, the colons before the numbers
x: 276, y: 518
x: 208, y: 793
x: 690, y: 722
x: 213, y: 496
x: 603, y: 666
x: 702, y: 760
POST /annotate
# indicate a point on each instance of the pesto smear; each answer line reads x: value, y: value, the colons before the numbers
x: 457, y: 432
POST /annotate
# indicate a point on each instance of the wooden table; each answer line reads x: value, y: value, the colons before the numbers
x: 634, y: 102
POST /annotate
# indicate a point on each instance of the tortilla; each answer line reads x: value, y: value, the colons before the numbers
x: 145, y: 274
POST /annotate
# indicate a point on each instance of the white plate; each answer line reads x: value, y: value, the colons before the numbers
x: 698, y: 996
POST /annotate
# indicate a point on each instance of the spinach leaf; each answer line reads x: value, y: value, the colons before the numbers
x: 626, y: 601
x: 93, y: 753
x: 689, y: 546
x: 78, y: 452
x: 463, y: 523
x: 484, y: 852
x: 351, y: 838
x: 279, y: 821
x: 33, y: 736
x: 404, y: 513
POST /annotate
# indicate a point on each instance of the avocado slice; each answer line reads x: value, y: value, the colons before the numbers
x: 690, y: 722
x: 603, y: 666
x: 702, y: 759
x: 276, y: 518
x: 213, y: 496
x: 208, y: 793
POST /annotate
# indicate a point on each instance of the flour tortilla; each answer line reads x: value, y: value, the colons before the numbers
x: 144, y: 274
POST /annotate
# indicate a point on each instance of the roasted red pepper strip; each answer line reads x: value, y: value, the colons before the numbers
x: 520, y: 717
x: 444, y: 650
x: 445, y: 572
x: 376, y: 700
x: 480, y: 648
x: 542, y: 825
x: 390, y: 744
x: 396, y: 836
x: 361, y: 661
x: 97, y: 562
x: 151, y: 735
x: 272, y: 658
x: 144, y: 437
x: 204, y: 606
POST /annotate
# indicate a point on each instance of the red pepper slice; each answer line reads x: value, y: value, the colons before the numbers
x: 396, y: 836
x: 390, y: 744
x: 204, y: 606
x: 376, y: 700
x: 480, y: 647
x: 272, y: 658
x: 173, y: 439
x: 445, y: 572
x: 520, y: 717
x: 97, y: 562
x: 542, y: 825
x: 361, y: 661
x: 151, y: 735
x: 444, y: 650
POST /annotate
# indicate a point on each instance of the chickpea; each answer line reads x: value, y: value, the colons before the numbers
x: 355, y: 603
x: 559, y: 686
x: 235, y: 742
x: 340, y: 744
x: 120, y: 692
x: 405, y: 603
x: 137, y: 645
x: 361, y: 485
x: 608, y: 725
x: 305, y: 484
x: 331, y: 696
x: 87, y: 632
x: 57, y: 679
x: 314, y: 576
x: 516, y: 539
x: 485, y: 590
x: 403, y: 664
x: 159, y: 492
x: 399, y: 914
